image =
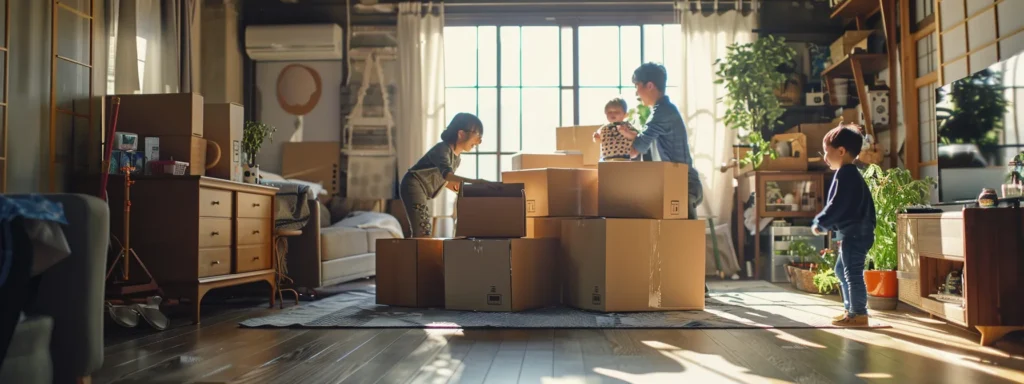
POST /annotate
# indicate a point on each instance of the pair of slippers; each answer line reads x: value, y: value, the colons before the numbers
x: 128, y: 315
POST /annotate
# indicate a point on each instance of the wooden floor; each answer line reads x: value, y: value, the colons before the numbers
x: 916, y: 350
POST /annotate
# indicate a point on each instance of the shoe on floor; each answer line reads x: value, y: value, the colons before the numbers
x: 840, y: 316
x: 852, y: 321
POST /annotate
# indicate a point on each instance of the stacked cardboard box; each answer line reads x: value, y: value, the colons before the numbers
x: 612, y: 239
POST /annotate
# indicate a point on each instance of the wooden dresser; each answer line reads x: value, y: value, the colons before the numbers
x: 196, y: 233
x: 987, y: 245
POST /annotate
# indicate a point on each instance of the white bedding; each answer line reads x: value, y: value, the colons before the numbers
x: 363, y: 220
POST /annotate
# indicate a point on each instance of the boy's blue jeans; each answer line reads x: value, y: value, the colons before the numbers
x: 853, y: 250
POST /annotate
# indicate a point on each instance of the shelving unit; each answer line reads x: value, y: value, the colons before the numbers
x: 858, y: 66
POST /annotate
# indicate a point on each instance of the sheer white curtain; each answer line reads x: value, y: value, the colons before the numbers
x: 705, y: 36
x: 421, y: 91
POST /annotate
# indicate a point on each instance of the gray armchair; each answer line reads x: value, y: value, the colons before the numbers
x: 70, y: 300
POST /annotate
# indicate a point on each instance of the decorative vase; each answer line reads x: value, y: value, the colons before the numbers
x: 882, y: 287
x: 988, y: 198
x: 251, y: 174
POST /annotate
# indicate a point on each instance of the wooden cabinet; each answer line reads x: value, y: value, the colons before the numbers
x: 807, y: 190
x: 986, y: 245
x: 197, y: 233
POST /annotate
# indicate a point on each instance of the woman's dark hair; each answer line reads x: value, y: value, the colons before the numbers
x: 461, y: 122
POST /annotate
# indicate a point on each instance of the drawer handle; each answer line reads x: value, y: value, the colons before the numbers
x: 214, y: 233
x: 254, y: 205
x: 215, y: 202
x: 254, y: 258
x: 215, y: 262
x: 256, y: 232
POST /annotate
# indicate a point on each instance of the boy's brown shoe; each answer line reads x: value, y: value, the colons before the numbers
x: 852, y: 321
x: 840, y: 316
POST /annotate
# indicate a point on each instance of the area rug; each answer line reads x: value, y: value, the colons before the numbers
x: 733, y: 304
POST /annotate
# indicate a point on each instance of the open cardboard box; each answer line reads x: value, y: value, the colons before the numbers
x: 491, y: 210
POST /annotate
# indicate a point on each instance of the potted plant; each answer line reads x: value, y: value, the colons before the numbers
x: 253, y: 136
x: 801, y: 273
x: 751, y: 74
x: 893, y: 190
x: 825, y: 279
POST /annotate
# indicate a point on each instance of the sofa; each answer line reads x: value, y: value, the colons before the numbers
x: 339, y: 242
x: 62, y: 335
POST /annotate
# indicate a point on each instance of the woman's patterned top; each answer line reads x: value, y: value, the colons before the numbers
x: 613, y: 144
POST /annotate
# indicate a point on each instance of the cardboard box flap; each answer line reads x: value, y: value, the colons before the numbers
x: 492, y: 190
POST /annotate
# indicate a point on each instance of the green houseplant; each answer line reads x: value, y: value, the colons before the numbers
x: 751, y: 74
x: 893, y: 190
x: 825, y: 279
x: 253, y: 136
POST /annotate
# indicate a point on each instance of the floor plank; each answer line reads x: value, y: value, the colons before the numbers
x: 915, y: 349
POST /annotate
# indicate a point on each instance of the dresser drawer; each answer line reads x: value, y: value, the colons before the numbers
x: 214, y: 232
x: 253, y: 258
x: 214, y: 203
x: 253, y: 205
x: 940, y: 237
x: 214, y: 261
x: 253, y: 231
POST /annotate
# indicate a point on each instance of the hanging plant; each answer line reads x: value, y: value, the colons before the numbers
x: 253, y: 136
x: 751, y: 74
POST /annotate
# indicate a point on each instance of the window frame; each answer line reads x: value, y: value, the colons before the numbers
x: 563, y: 89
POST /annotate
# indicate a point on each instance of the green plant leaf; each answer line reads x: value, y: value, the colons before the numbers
x: 893, y: 190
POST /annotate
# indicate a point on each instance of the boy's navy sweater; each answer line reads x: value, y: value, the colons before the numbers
x: 850, y: 210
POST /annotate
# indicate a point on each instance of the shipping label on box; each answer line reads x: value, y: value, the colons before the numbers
x: 636, y: 189
x: 500, y: 275
x: 522, y: 161
x: 632, y: 265
x: 151, y: 152
x: 579, y: 139
x: 410, y: 272
x: 491, y: 210
x: 557, y: 192
x: 223, y: 124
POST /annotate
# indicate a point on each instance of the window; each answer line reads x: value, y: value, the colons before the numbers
x: 522, y: 81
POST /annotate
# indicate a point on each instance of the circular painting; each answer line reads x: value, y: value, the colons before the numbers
x: 298, y: 89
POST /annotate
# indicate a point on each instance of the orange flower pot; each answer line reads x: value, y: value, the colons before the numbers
x: 881, y: 283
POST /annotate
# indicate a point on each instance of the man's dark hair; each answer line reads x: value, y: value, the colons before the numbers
x: 461, y: 122
x: 617, y: 102
x: 847, y: 136
x: 651, y: 73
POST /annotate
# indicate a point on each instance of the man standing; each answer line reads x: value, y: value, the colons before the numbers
x: 665, y: 131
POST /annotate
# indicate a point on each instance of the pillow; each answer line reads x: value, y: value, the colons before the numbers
x: 341, y: 207
x: 325, y: 216
x: 364, y: 220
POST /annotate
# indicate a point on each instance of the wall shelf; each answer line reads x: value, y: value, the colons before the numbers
x: 870, y: 64
x: 856, y: 8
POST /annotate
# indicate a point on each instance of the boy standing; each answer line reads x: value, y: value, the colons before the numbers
x: 850, y: 212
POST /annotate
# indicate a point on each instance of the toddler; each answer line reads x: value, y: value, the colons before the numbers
x: 850, y: 213
x: 614, y: 146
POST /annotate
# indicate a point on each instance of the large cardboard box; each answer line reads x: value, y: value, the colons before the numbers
x: 815, y: 133
x: 163, y: 114
x: 579, y: 139
x: 491, y: 210
x: 223, y: 124
x: 546, y: 160
x: 632, y: 265
x: 500, y: 275
x: 797, y: 161
x: 557, y: 192
x: 313, y: 161
x: 845, y: 44
x: 410, y: 272
x: 544, y: 227
x: 643, y: 189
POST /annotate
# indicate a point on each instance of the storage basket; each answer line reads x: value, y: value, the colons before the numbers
x: 168, y: 167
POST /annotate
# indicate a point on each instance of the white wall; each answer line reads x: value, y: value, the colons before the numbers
x: 322, y: 124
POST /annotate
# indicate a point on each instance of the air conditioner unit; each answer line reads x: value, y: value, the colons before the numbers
x: 294, y: 42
